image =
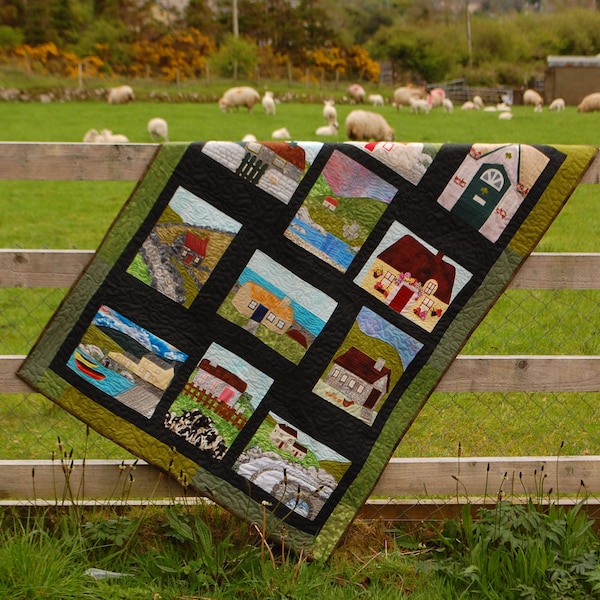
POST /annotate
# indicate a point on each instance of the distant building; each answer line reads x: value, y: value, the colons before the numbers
x: 571, y: 78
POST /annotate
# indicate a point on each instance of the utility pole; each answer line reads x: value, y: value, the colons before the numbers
x: 469, y: 43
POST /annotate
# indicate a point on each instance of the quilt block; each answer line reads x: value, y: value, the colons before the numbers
x: 265, y: 320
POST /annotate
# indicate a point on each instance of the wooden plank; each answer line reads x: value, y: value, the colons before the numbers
x: 464, y: 477
x: 95, y: 479
x: 60, y: 268
x: 466, y: 374
x: 479, y: 479
x: 42, y: 268
x: 551, y: 271
x: 592, y: 175
x: 522, y: 374
x: 79, y: 161
x: 75, y: 161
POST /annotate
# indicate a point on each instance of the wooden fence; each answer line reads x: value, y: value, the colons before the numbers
x: 417, y: 480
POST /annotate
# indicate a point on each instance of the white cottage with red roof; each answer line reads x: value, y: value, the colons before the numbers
x: 219, y: 382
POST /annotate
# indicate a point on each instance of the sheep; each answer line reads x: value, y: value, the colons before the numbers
x: 249, y: 137
x: 158, y: 128
x: 239, y: 96
x: 331, y: 129
x: 329, y: 112
x: 532, y: 98
x: 503, y: 107
x: 403, y: 94
x: 357, y: 93
x: 538, y: 108
x: 590, y: 103
x: 366, y: 125
x: 120, y: 95
x: 557, y: 104
x: 281, y: 134
x: 468, y: 105
x: 375, y: 99
x: 108, y: 137
x: 478, y: 102
x: 268, y: 103
x: 92, y: 136
x: 436, y: 97
x: 447, y: 105
x: 417, y: 105
x: 505, y: 116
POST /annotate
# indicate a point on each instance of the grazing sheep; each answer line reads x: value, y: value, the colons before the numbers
x: 281, y: 134
x: 478, y: 102
x: 92, y: 136
x: 403, y: 94
x: 239, y: 96
x: 158, y: 129
x: 331, y: 129
x: 108, y: 137
x: 357, y: 93
x: 365, y: 125
x: 249, y: 137
x: 532, y: 98
x: 120, y: 95
x: 590, y: 103
x: 503, y: 107
x: 468, y: 105
x: 417, y: 105
x: 375, y: 99
x: 490, y: 109
x: 557, y: 104
x: 505, y: 116
x: 447, y: 105
x: 329, y: 112
x: 268, y: 103
x: 436, y: 97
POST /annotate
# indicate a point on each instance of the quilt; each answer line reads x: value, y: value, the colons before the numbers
x: 265, y: 320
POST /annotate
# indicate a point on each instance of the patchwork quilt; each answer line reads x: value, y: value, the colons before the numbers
x: 265, y: 320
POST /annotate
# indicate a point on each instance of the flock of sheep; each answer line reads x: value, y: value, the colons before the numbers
x: 360, y: 124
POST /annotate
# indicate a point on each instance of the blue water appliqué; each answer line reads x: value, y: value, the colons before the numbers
x: 335, y: 248
x: 113, y: 384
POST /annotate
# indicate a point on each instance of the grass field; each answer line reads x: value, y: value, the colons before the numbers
x: 57, y: 215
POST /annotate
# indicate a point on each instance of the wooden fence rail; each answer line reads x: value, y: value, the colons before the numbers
x: 453, y: 480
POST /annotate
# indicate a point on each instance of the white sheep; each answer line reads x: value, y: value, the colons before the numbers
x: 590, y: 103
x: 329, y: 112
x: 478, y: 102
x: 418, y: 105
x: 505, y: 115
x: 447, y: 106
x: 249, y: 137
x: 468, y: 105
x: 92, y: 136
x: 503, y: 107
x: 158, y: 129
x: 268, y: 103
x: 532, y: 98
x: 357, y: 93
x: 366, y: 125
x: 239, y: 96
x: 403, y: 94
x: 375, y: 99
x: 108, y: 137
x: 331, y: 129
x: 120, y: 95
x: 557, y: 105
x: 281, y: 134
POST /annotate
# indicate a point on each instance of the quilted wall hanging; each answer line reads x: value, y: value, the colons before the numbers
x: 265, y: 320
